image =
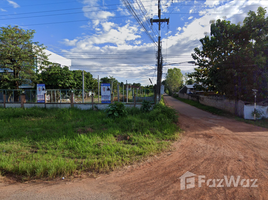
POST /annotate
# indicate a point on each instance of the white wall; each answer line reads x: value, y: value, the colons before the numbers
x: 248, y: 109
x: 64, y: 105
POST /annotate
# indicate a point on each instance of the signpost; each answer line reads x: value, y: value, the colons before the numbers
x: 41, y: 91
x: 105, y: 93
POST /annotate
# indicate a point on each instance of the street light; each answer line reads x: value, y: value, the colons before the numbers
x: 255, y: 104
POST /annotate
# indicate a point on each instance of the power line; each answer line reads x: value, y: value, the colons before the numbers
x: 64, y: 22
x: 78, y: 8
x: 132, y: 10
x: 49, y: 15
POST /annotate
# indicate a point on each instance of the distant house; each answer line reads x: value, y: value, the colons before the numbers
x: 188, y: 89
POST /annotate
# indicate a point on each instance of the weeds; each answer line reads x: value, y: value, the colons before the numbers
x: 146, y: 106
x: 38, y: 143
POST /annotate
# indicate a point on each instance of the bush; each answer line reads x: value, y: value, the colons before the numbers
x: 163, y: 114
x: 133, y: 111
x: 259, y: 113
x: 116, y: 109
x: 146, y: 106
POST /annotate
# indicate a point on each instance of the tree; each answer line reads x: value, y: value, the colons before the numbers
x: 215, y: 49
x: 55, y: 77
x: 136, y: 84
x: 234, y: 59
x: 110, y: 80
x: 190, y: 82
x: 20, y: 54
x: 174, y: 80
x: 90, y: 82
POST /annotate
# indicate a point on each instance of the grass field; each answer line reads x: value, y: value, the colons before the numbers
x: 48, y: 143
x: 216, y: 111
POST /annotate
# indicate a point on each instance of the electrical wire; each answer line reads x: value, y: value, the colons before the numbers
x: 132, y: 10
x: 50, y: 15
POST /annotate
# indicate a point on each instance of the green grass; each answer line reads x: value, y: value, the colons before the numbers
x: 48, y: 143
x: 216, y: 111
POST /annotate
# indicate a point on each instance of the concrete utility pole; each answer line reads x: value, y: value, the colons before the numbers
x: 127, y: 90
x: 98, y: 89
x: 159, y: 56
x: 83, y: 88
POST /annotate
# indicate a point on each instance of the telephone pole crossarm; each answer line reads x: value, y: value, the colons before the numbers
x: 159, y: 20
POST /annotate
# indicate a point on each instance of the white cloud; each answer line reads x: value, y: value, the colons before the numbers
x: 191, y: 17
x: 211, y: 3
x: 14, y: 4
x: 107, y: 26
x: 3, y: 10
x: 68, y: 42
x: 93, y: 12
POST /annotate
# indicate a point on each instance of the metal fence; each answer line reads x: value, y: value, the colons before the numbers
x: 13, y: 96
x: 119, y: 93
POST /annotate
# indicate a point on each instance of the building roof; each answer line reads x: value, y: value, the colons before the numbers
x: 190, y: 86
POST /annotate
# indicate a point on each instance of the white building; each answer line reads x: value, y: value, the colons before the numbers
x: 57, y: 59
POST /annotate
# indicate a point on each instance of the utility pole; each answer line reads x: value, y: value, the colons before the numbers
x: 127, y: 91
x: 83, y: 88
x: 159, y: 55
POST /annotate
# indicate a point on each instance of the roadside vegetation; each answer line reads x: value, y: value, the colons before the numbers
x: 216, y: 111
x: 49, y: 143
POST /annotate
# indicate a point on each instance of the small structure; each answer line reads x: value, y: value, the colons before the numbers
x: 188, y: 89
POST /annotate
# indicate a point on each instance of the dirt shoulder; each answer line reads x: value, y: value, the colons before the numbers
x: 212, y: 146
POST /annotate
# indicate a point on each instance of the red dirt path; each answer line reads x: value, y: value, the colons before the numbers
x: 212, y: 146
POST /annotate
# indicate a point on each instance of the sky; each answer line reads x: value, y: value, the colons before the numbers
x: 102, y: 37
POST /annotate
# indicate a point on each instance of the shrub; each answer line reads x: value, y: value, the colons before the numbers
x: 163, y: 113
x: 259, y: 113
x: 146, y: 106
x: 133, y: 111
x: 116, y: 109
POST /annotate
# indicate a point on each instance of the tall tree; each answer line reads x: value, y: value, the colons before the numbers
x: 174, y: 80
x: 19, y: 54
x: 234, y: 59
x: 56, y: 77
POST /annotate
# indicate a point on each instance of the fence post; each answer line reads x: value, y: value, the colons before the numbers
x: 4, y: 96
x: 134, y: 100
x: 123, y: 94
x: 22, y: 100
x: 72, y: 99
x: 45, y: 100
x: 118, y: 95
x: 112, y: 98
x: 92, y: 100
x: 127, y: 93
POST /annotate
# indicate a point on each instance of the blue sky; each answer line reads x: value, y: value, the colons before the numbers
x: 102, y: 37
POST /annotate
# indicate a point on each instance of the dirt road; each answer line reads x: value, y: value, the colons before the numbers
x: 214, y: 149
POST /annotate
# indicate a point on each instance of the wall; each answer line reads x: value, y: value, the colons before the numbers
x: 248, y: 109
x: 232, y: 106
x: 63, y: 105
